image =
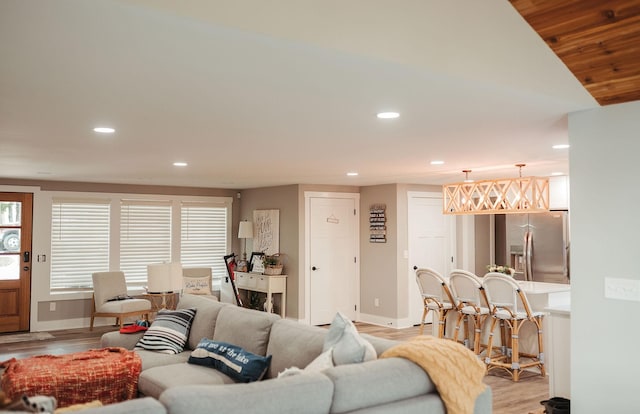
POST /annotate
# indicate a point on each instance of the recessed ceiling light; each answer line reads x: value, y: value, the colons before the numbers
x: 180, y: 164
x: 388, y: 115
x: 352, y: 174
x: 104, y: 130
x: 561, y: 146
x: 557, y: 173
x: 437, y: 162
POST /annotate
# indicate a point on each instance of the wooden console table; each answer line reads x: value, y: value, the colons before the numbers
x: 269, y: 284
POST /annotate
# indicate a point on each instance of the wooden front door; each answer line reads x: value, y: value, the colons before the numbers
x: 16, y: 211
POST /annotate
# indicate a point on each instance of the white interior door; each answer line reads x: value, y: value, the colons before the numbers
x: 431, y: 241
x: 333, y: 248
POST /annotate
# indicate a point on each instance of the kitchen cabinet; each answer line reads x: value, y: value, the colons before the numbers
x: 559, y: 192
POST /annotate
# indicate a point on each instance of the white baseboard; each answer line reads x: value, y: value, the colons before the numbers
x: 77, y: 323
x: 388, y: 322
x: 379, y: 320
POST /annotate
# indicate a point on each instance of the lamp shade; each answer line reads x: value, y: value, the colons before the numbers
x: 245, y: 230
x: 164, y: 277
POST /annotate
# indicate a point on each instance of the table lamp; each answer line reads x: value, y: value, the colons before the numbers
x: 245, y: 231
x: 164, y: 277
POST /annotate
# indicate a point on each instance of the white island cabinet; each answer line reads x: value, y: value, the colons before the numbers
x: 559, y: 359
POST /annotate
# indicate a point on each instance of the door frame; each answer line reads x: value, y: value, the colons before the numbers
x: 304, y: 291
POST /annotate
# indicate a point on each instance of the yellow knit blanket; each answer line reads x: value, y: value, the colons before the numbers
x: 456, y: 371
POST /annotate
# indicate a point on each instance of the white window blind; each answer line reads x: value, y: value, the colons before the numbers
x: 145, y: 237
x: 79, y: 242
x: 204, y: 237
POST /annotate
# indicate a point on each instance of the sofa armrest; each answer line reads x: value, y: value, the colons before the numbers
x: 115, y: 338
x: 308, y: 393
x: 377, y: 382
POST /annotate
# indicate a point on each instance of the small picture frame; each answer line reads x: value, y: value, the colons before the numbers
x: 256, y: 265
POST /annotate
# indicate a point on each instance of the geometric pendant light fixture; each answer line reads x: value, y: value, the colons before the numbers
x: 499, y: 196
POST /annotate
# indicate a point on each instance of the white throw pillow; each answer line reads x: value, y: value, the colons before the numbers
x: 348, y: 346
x: 320, y: 363
x: 196, y: 285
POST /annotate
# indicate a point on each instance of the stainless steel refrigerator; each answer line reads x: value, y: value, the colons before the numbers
x: 536, y: 245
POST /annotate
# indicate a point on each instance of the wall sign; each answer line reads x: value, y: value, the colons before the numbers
x: 377, y: 223
x: 266, y: 231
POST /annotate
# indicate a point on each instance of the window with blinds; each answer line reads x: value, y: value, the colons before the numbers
x: 145, y: 237
x: 112, y: 233
x: 203, y: 237
x: 79, y: 242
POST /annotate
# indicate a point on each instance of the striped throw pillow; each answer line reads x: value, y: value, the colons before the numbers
x: 169, y: 331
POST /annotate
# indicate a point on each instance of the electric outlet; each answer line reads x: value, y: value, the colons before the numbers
x: 376, y: 302
x: 622, y: 289
x: 52, y: 306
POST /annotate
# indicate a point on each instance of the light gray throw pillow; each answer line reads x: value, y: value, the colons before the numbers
x: 348, y: 346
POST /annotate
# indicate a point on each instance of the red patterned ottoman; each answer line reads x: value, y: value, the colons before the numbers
x: 109, y: 375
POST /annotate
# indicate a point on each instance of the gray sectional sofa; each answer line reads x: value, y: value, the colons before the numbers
x: 171, y: 384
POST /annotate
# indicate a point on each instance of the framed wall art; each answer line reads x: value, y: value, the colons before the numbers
x: 266, y: 231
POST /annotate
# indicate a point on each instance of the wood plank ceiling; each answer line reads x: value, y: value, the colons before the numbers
x: 598, y: 40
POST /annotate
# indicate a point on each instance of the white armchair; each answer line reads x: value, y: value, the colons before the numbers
x: 110, y: 299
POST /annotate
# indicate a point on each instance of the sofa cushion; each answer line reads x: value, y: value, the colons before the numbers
x: 152, y: 359
x: 348, y: 346
x: 204, y: 323
x: 246, y: 328
x: 293, y: 344
x: 309, y: 393
x: 154, y: 381
x: 168, y: 332
x: 239, y: 364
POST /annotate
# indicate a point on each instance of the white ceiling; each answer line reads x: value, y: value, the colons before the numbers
x: 256, y: 93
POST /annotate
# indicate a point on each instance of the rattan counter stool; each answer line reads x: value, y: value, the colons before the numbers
x: 472, y: 306
x: 509, y: 305
x: 436, y: 297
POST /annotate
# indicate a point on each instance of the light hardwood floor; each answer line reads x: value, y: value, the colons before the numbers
x: 522, y: 397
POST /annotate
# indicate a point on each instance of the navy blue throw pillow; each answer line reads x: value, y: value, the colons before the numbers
x: 232, y: 360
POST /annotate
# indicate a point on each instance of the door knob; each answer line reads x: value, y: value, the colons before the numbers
x: 314, y: 268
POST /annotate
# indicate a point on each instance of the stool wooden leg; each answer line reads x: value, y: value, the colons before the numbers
x: 479, y: 321
x: 540, y: 346
x: 442, y: 319
x: 515, y: 349
x: 461, y: 317
x: 425, y: 311
x: 467, y: 321
x: 487, y: 358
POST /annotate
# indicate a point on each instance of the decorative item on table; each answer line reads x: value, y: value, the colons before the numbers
x: 256, y: 264
x: 501, y: 269
x: 273, y: 264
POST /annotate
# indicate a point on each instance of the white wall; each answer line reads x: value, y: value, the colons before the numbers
x: 605, y: 221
